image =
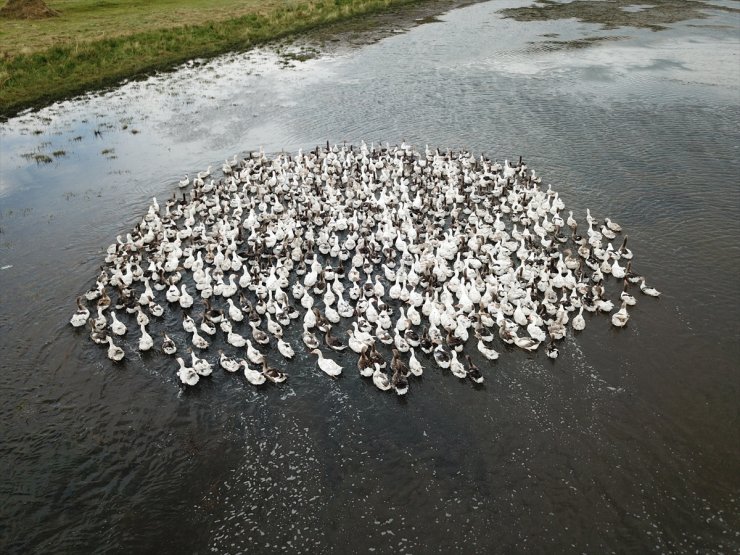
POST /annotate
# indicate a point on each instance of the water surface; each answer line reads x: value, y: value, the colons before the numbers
x: 627, y: 442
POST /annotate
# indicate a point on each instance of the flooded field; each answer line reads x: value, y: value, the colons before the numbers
x: 628, y: 441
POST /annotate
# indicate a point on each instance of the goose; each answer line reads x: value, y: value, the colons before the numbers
x: 80, y: 317
x: 235, y: 313
x: 201, y: 365
x: 185, y: 299
x: 199, y: 341
x: 397, y: 364
x: 578, y: 322
x: 285, y: 349
x: 631, y: 276
x: 623, y: 251
x: 535, y: 332
x: 400, y: 342
x: 141, y: 318
x: 442, y: 356
x: 383, y: 336
x: 618, y: 271
x: 309, y: 339
x: 412, y: 338
x: 415, y: 367
x: 187, y: 374
x: 173, y: 293
x: 332, y: 315
x: 612, y: 225
x: 188, y: 324
x: 608, y: 233
x: 552, y: 350
x: 273, y: 374
x: 456, y: 367
x: 148, y: 295
x: 258, y: 335
x: 425, y: 342
x: 526, y: 343
x: 254, y: 355
x: 100, y: 323
x: 360, y: 335
x: 333, y: 342
x: 207, y: 326
x: 650, y: 291
x: 474, y: 372
x: 620, y: 318
x: 454, y: 342
x: 168, y: 345
x: 365, y: 365
x: 380, y: 379
x: 228, y: 364
x: 626, y: 297
x: 156, y: 309
x: 399, y: 382
x: 115, y: 353
x: 116, y: 326
x: 104, y: 301
x: 254, y: 377
x: 488, y: 352
x: 145, y: 341
x: 375, y: 357
x: 327, y: 365
x: 310, y: 319
x: 99, y: 337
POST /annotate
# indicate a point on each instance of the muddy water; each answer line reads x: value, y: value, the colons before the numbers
x: 627, y: 442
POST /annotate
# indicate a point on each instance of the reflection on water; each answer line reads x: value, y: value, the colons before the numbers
x: 627, y: 441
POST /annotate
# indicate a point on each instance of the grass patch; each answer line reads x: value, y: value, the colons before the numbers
x: 96, y: 44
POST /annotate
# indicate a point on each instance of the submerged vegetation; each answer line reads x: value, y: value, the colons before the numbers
x: 97, y: 44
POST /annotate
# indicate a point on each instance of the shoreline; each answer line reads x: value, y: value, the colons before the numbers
x: 37, y: 79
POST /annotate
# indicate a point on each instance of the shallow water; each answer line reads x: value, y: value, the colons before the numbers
x: 627, y: 442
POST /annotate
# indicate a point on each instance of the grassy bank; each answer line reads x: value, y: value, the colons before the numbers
x: 98, y: 43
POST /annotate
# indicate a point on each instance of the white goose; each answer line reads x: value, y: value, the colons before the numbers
x: 255, y: 356
x: 285, y: 349
x: 115, y: 353
x: 116, y: 326
x: 381, y: 380
x: 187, y: 374
x: 415, y: 367
x: 650, y: 291
x: 327, y: 365
x: 579, y: 322
x: 145, y: 341
x: 185, y: 299
x: 199, y: 341
x: 488, y: 352
x: 254, y: 377
x: 228, y: 364
x: 620, y: 318
x: 201, y: 365
x: 456, y: 367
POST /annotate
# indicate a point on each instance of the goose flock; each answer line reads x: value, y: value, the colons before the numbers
x: 404, y: 258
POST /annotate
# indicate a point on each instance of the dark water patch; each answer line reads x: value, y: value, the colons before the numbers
x: 575, y: 44
x: 656, y: 16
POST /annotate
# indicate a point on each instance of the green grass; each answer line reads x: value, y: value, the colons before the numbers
x: 98, y: 43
